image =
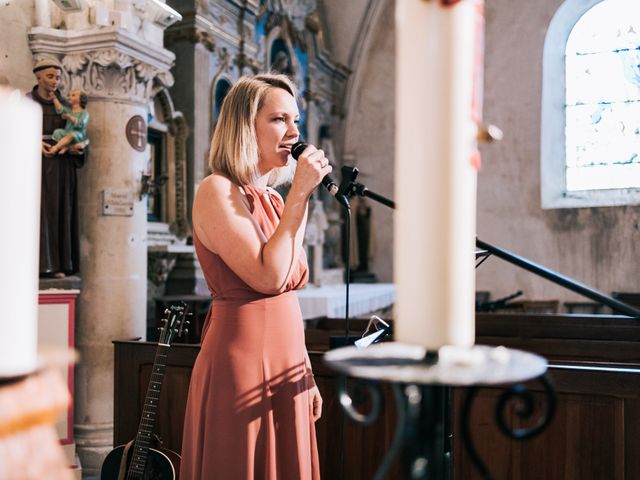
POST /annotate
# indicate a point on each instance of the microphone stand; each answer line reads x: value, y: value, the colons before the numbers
x: 348, y: 188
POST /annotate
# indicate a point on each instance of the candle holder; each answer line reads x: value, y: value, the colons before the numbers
x: 420, y: 380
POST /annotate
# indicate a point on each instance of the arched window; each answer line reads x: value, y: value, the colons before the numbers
x: 590, y: 135
x: 221, y: 90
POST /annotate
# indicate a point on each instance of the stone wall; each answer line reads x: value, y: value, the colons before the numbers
x: 597, y: 246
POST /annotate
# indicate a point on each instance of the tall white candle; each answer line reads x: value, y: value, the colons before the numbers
x: 439, y: 51
x: 20, y: 137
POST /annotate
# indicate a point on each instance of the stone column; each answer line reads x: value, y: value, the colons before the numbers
x: 119, y: 72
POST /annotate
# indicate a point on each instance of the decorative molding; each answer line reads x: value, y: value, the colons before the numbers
x: 191, y: 33
x: 178, y: 129
x: 107, y: 64
x: 200, y: 29
x: 296, y: 11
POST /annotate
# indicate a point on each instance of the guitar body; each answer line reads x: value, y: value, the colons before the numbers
x: 162, y: 464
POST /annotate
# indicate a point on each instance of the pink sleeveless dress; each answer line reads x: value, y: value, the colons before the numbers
x: 249, y: 408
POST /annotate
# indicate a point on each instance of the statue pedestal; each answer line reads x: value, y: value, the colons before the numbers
x: 363, y: 277
x: 56, y: 327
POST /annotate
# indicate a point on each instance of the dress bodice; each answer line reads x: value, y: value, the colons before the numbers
x: 266, y: 207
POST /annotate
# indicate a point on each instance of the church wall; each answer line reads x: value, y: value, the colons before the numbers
x: 369, y: 133
x: 343, y: 19
x: 597, y: 246
x: 15, y: 57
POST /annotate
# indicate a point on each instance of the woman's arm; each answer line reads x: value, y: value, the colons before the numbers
x: 223, y: 222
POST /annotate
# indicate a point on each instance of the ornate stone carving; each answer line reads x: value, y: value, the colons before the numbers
x: 107, y: 64
x: 244, y: 61
x: 112, y: 74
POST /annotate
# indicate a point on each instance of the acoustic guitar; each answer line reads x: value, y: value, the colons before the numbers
x: 138, y: 460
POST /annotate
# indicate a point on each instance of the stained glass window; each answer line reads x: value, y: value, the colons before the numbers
x: 603, y: 98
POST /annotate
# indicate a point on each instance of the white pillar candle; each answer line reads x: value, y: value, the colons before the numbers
x: 438, y: 67
x: 20, y: 137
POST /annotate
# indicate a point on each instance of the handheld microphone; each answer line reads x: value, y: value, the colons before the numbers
x: 327, y: 181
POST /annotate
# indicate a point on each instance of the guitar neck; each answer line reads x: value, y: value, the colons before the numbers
x: 148, y: 418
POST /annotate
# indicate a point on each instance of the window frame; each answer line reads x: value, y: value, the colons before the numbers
x: 553, y: 190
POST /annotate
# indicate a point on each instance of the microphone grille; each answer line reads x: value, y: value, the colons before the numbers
x: 297, y: 149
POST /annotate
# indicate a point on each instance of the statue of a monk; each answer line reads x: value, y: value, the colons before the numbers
x: 59, y: 243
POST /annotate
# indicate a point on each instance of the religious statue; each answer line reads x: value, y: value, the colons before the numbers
x: 75, y: 130
x: 282, y: 63
x: 362, y: 241
x: 59, y: 243
x: 317, y: 223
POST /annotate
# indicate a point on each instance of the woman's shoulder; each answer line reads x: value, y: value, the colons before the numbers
x: 217, y: 189
x: 216, y: 183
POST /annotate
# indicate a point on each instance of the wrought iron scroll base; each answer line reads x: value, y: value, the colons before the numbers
x: 525, y: 411
x: 421, y: 392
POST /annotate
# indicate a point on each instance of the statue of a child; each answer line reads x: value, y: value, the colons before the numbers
x: 77, y: 117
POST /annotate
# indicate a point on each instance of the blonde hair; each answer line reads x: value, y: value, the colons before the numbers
x: 234, y: 147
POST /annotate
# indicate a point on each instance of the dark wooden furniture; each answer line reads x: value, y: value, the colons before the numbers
x: 198, y: 308
x: 133, y: 362
x: 631, y: 298
x: 595, y: 365
x: 584, y: 307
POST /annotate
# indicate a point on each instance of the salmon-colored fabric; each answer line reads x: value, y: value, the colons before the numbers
x: 249, y: 408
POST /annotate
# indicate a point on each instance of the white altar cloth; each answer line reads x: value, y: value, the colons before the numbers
x: 330, y: 301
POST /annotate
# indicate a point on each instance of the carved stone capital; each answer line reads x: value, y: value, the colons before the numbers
x: 107, y: 63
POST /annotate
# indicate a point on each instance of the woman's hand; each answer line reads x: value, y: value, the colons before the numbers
x: 316, y: 403
x: 312, y: 167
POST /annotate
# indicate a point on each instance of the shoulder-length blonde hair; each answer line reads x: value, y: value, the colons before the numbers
x: 234, y: 147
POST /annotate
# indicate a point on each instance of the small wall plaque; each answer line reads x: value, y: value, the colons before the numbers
x: 136, y: 131
x: 117, y: 203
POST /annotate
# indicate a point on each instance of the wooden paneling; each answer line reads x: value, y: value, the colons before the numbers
x: 594, y: 435
x: 595, y: 366
x: 133, y: 363
x: 587, y: 438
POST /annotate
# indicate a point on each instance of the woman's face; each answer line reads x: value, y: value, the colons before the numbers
x: 276, y: 129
